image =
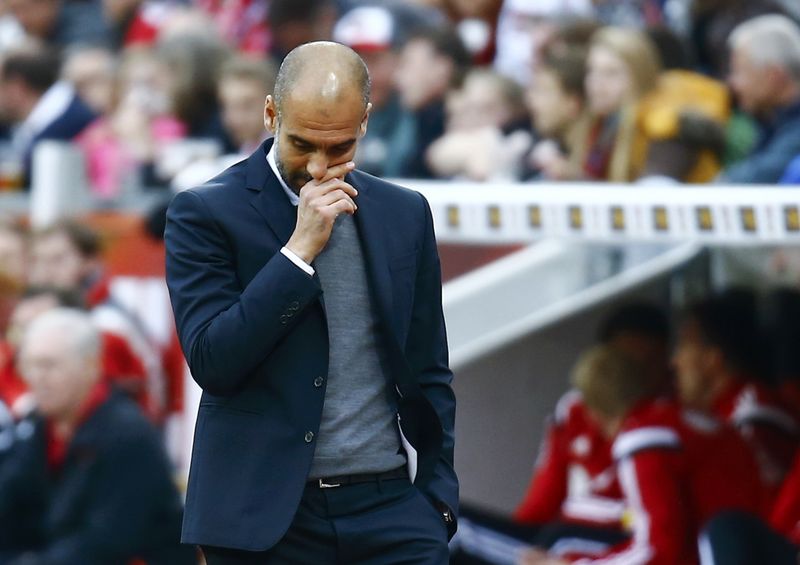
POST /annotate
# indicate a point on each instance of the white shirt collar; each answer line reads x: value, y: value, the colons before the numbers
x: 293, y: 198
x: 53, y: 103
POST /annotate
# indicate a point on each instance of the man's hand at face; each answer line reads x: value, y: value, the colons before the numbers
x: 321, y: 201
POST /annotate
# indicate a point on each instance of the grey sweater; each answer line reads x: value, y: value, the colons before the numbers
x: 358, y: 432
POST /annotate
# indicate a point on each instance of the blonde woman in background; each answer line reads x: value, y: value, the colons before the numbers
x: 623, y: 66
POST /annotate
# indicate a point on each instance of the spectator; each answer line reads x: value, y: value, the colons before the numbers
x: 243, y: 85
x: 38, y: 105
x: 372, y: 32
x: 193, y: 61
x: 103, y: 477
x: 294, y: 22
x: 556, y: 101
x: 67, y: 255
x: 677, y: 470
x: 134, y: 22
x: 122, y: 147
x: 765, y: 77
x: 13, y: 252
x: 242, y: 24
x: 60, y: 23
x: 622, y: 67
x: 717, y: 365
x: 684, y: 120
x: 524, y: 27
x: 120, y: 365
x: 487, y: 130
x: 90, y: 70
x: 432, y: 62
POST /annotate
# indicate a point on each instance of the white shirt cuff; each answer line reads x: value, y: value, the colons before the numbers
x: 292, y: 256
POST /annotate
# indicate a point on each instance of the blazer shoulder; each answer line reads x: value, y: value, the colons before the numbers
x: 385, y: 188
x: 217, y: 189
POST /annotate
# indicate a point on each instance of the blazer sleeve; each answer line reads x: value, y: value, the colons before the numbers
x: 427, y: 355
x: 226, y: 330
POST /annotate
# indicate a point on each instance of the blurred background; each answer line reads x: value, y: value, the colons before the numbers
x: 580, y: 156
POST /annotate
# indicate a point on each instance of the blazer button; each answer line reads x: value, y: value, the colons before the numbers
x: 284, y: 319
x: 309, y: 437
x: 318, y: 382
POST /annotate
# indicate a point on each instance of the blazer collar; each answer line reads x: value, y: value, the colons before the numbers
x: 268, y: 197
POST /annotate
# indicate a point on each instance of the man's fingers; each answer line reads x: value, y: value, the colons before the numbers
x: 338, y: 171
x: 311, y: 193
x: 332, y: 197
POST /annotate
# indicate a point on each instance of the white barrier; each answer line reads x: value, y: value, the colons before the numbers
x: 718, y: 215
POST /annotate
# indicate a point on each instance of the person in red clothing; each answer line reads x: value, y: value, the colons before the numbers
x: 89, y: 461
x: 67, y: 255
x: 574, y: 499
x: 738, y: 538
x: 716, y: 361
x: 120, y: 365
x: 677, y: 469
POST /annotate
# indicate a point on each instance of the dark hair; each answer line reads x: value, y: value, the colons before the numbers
x: 568, y: 63
x: 672, y: 50
x: 37, y: 67
x: 637, y: 317
x: 288, y: 11
x: 65, y: 298
x: 447, y: 43
x: 729, y: 321
x: 85, y: 239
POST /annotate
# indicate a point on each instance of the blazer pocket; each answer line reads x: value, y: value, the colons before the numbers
x: 230, y: 408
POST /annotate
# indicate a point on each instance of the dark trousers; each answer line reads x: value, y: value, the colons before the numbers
x: 737, y: 538
x: 376, y: 523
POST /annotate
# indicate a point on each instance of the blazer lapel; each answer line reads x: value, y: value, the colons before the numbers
x: 370, y: 224
x: 269, y: 198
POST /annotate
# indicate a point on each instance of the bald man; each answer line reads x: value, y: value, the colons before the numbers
x: 307, y: 296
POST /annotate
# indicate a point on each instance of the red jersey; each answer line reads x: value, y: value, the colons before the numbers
x: 767, y: 427
x: 574, y: 479
x: 677, y: 469
x: 785, y: 516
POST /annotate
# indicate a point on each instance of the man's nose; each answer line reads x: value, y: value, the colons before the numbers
x: 317, y: 166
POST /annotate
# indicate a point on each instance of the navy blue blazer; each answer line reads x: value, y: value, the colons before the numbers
x: 253, y: 330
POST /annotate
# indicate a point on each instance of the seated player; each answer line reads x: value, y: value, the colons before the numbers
x: 677, y: 469
x: 717, y: 365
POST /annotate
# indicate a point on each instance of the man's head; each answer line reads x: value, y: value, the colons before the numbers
x: 641, y: 330
x: 60, y: 360
x: 318, y: 110
x: 244, y: 82
x: 610, y: 383
x: 64, y: 255
x: 35, y: 301
x: 25, y: 75
x: 765, y: 64
x: 91, y: 70
x: 555, y: 96
x: 370, y: 32
x: 432, y: 62
x: 718, y: 341
x: 37, y: 17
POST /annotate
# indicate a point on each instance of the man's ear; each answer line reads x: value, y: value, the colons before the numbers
x: 363, y: 128
x: 270, y: 115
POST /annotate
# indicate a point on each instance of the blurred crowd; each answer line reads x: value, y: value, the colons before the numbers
x: 158, y: 93
x: 163, y: 94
